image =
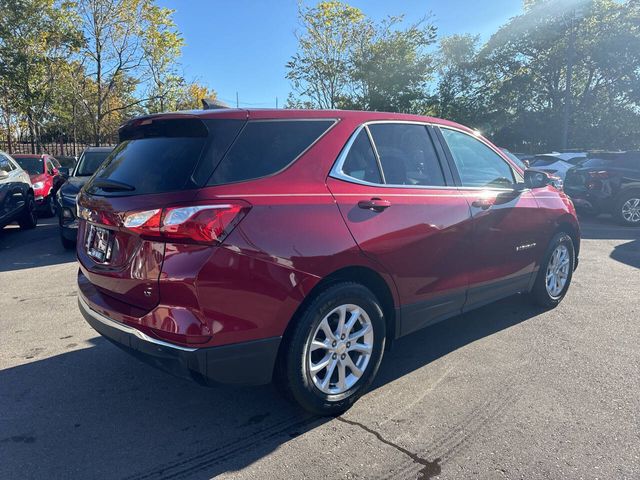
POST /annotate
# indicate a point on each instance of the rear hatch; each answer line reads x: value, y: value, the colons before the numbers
x: 157, y: 167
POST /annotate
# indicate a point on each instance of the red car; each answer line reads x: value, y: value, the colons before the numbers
x: 45, y: 178
x: 240, y: 245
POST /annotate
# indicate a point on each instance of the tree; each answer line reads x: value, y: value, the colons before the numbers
x: 162, y: 45
x: 36, y: 37
x: 390, y: 66
x: 319, y: 72
x: 124, y: 40
x: 565, y: 73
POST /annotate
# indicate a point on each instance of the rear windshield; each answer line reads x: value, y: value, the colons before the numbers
x: 31, y: 165
x: 89, y: 163
x: 623, y: 160
x: 158, y: 156
x: 266, y: 147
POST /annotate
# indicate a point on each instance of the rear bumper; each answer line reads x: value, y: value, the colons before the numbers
x: 247, y: 363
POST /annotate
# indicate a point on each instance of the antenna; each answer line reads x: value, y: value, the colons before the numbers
x: 209, y: 104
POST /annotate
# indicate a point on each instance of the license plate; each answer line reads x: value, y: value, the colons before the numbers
x: 99, y: 243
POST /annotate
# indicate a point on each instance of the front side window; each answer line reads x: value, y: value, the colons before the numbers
x: 5, y: 164
x: 407, y: 154
x: 361, y: 162
x: 477, y: 164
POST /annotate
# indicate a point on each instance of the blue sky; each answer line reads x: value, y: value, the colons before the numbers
x: 243, y: 45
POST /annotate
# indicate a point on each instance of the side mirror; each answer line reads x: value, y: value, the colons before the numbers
x: 3, y: 174
x: 64, y: 171
x: 536, y: 178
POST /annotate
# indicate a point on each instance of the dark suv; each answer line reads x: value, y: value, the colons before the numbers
x: 236, y: 245
x: 90, y: 160
x: 607, y: 183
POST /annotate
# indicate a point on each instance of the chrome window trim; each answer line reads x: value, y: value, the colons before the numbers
x: 490, y: 147
x: 337, y: 173
x: 127, y: 329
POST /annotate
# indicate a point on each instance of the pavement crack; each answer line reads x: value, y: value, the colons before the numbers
x: 430, y: 468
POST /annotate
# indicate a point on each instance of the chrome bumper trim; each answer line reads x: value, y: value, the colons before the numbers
x: 127, y: 329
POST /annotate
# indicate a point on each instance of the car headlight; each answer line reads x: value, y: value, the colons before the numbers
x: 38, y: 185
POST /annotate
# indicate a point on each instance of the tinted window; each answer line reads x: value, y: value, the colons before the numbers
x: 5, y: 164
x: 151, y: 165
x: 477, y: 164
x: 89, y: 163
x: 407, y: 154
x: 266, y: 147
x: 34, y: 166
x: 361, y: 162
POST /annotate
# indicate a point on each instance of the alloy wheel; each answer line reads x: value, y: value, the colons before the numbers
x: 340, y: 349
x: 557, y: 271
x: 631, y: 210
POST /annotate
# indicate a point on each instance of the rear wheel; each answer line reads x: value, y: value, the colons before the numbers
x: 627, y: 209
x: 334, y: 350
x: 28, y: 218
x: 556, y: 271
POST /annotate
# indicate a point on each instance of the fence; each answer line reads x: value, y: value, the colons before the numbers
x: 52, y: 148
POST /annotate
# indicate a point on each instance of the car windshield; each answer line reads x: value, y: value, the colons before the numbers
x: 514, y: 159
x: 89, y: 163
x: 32, y: 165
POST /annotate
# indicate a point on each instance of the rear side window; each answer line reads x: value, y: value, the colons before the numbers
x: 266, y: 147
x: 361, y: 162
x: 407, y: 155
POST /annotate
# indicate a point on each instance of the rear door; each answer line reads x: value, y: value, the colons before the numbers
x: 158, y: 163
x: 508, y: 227
x: 399, y: 203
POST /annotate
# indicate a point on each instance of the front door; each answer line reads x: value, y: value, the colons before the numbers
x: 399, y: 203
x: 508, y: 226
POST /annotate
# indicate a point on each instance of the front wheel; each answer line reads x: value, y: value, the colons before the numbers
x: 334, y: 351
x: 28, y: 219
x: 556, y: 271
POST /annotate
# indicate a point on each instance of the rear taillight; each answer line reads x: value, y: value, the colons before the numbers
x: 594, y: 182
x: 207, y: 223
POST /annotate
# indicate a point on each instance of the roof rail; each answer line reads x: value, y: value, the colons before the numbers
x: 211, y: 104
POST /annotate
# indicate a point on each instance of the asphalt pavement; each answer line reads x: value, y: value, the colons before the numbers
x: 508, y: 391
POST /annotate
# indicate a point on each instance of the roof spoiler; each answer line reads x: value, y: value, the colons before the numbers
x: 210, y: 104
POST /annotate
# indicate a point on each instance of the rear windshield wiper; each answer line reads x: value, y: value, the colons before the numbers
x: 112, y: 185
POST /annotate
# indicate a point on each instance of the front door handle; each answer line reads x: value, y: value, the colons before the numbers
x: 483, y: 203
x: 374, y: 204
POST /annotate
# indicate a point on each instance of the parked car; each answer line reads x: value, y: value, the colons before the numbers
x: 67, y: 161
x: 236, y: 245
x: 607, y: 183
x: 16, y: 195
x: 89, y: 162
x: 556, y: 163
x: 45, y: 179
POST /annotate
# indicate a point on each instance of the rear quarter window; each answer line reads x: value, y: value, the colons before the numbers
x: 265, y: 147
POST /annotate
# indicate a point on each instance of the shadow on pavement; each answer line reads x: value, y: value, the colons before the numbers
x: 605, y: 228
x: 20, y: 249
x: 628, y: 253
x: 98, y: 413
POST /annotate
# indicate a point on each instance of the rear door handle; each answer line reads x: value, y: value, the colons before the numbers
x: 483, y: 203
x: 374, y: 204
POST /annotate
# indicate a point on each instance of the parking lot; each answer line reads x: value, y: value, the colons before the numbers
x: 507, y: 391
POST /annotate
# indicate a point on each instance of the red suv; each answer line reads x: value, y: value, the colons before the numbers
x: 235, y: 246
x: 45, y: 178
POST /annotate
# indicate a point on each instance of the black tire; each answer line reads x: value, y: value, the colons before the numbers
x: 28, y: 218
x: 49, y: 207
x: 540, y: 293
x: 66, y: 243
x: 293, y: 374
x: 620, y: 204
